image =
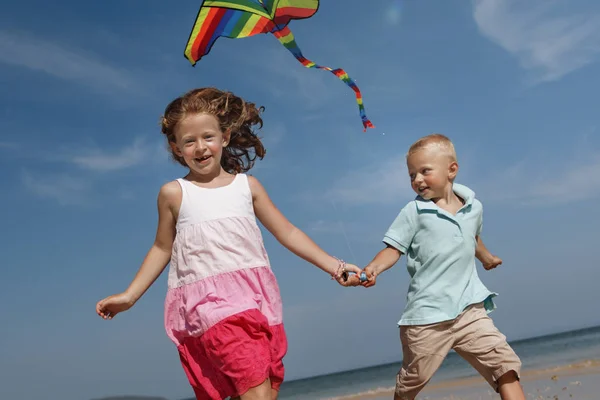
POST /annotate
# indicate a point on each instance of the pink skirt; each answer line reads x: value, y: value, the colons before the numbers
x: 235, y: 355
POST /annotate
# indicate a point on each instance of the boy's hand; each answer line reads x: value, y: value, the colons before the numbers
x: 491, y: 263
x: 371, y: 276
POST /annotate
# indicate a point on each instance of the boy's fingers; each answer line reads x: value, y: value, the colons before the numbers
x: 369, y: 283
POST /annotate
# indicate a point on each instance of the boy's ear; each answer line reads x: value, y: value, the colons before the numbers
x: 453, y: 169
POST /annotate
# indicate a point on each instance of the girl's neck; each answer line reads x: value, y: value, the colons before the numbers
x: 208, y: 178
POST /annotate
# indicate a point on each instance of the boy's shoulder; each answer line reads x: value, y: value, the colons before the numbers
x: 411, y: 206
x: 469, y: 197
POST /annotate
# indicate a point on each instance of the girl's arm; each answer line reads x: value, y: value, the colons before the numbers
x: 156, y: 259
x: 159, y: 255
x: 288, y: 235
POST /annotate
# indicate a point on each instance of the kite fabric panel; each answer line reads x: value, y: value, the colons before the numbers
x: 243, y: 18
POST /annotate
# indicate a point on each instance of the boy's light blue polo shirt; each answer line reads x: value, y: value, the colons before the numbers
x: 440, y: 250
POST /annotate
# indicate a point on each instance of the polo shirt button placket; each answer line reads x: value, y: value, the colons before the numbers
x: 458, y: 236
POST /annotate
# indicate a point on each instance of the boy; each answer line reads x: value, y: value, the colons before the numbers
x: 447, y: 304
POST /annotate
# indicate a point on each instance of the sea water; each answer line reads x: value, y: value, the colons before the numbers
x: 540, y: 352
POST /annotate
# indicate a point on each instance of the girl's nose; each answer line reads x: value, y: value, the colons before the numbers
x: 200, y: 146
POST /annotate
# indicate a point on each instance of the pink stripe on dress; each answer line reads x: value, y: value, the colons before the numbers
x: 190, y: 310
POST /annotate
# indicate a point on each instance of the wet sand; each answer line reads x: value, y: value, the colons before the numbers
x: 579, y: 381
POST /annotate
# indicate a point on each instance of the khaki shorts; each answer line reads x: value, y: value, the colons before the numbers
x: 472, y: 335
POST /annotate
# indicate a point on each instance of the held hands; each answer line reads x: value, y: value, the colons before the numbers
x: 365, y: 278
x: 351, y: 275
x: 109, y: 307
x: 347, y: 275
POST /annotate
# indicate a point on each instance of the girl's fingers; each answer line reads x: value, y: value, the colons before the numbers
x: 353, y: 268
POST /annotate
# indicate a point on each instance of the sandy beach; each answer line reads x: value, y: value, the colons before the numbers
x: 579, y: 380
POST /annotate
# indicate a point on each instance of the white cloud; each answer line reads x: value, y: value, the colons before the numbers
x: 546, y: 36
x: 79, y: 186
x: 348, y: 228
x: 102, y: 161
x: 65, y: 189
x: 289, y: 79
x: 322, y: 226
x: 386, y: 182
x: 272, y: 134
x: 95, y: 159
x: 567, y: 181
x: 538, y: 180
x: 74, y: 65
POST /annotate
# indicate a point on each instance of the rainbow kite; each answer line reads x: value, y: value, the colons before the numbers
x: 243, y: 18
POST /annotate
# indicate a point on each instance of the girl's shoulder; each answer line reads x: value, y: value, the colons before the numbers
x: 256, y: 188
x: 170, y: 193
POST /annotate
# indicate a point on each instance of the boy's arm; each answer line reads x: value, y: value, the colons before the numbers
x: 383, y: 261
x: 487, y: 259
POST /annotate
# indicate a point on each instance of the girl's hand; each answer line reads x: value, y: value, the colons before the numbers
x: 112, y: 305
x: 352, y: 280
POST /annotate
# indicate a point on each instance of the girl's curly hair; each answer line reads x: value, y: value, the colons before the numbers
x: 234, y: 115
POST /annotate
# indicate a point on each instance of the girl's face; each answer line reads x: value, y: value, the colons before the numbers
x: 431, y: 171
x: 199, y: 141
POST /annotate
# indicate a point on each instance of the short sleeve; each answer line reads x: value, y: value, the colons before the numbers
x: 402, y: 231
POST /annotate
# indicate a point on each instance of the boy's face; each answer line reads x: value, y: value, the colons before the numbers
x: 431, y: 170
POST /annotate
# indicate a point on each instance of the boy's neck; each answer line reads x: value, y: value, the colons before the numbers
x: 449, y: 201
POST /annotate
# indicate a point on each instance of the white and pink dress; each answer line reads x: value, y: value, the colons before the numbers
x: 223, y: 308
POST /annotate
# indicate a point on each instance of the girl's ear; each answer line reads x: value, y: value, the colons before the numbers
x: 226, y: 137
x: 175, y: 149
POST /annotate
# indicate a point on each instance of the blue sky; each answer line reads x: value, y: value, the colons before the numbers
x: 514, y: 84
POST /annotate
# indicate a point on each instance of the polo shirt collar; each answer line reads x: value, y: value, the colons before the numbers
x: 461, y: 190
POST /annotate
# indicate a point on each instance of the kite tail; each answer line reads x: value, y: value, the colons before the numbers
x: 286, y: 38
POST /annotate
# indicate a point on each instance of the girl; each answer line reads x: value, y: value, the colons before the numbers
x: 223, y: 308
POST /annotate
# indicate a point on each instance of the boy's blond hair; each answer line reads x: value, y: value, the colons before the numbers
x: 436, y: 140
